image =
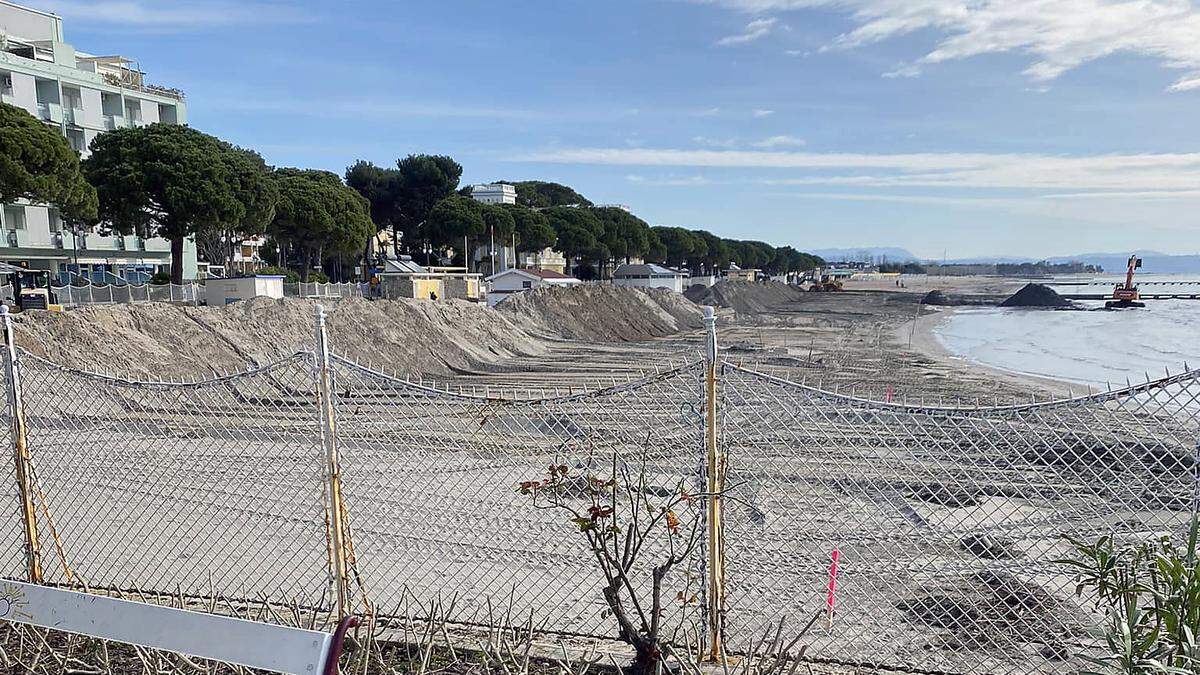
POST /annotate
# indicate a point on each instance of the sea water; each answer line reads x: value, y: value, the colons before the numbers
x: 1089, y: 347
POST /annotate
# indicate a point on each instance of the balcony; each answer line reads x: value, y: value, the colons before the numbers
x: 11, y: 238
x: 57, y: 239
x: 50, y: 112
x: 73, y: 116
x: 112, y: 122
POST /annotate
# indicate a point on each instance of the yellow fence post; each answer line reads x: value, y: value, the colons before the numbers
x: 21, y: 457
x: 715, y: 469
x: 333, y: 473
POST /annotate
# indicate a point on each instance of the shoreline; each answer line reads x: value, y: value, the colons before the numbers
x: 926, y: 343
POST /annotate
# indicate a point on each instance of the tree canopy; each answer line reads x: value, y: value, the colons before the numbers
x: 544, y: 194
x: 623, y: 234
x: 578, y: 231
x: 533, y: 229
x: 38, y: 164
x: 318, y: 216
x: 454, y: 222
x: 424, y: 181
x: 170, y: 181
x: 250, y: 178
x: 401, y: 199
x: 380, y: 187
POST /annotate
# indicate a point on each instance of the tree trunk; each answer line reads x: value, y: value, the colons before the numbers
x: 177, y: 259
x: 306, y: 265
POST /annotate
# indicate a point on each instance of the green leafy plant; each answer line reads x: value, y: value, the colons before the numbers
x: 1150, y: 594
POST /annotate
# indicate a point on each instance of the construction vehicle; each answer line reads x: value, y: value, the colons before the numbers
x: 30, y: 288
x: 823, y: 282
x: 1126, y: 295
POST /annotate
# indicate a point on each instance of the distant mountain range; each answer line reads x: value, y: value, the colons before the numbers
x: 865, y: 254
x: 1153, y: 262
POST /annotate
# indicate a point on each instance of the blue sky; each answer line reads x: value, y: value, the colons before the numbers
x: 964, y: 127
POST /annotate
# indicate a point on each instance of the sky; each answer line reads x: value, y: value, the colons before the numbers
x: 953, y: 128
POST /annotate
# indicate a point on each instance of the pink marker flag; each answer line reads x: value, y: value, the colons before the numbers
x: 831, y: 591
x: 889, y: 393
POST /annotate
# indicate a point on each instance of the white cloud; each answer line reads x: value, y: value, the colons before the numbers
x: 715, y: 142
x: 670, y: 181
x: 183, y: 15
x: 759, y: 112
x: 369, y: 108
x: 754, y: 30
x: 779, y: 142
x: 1146, y: 172
x: 1059, y: 35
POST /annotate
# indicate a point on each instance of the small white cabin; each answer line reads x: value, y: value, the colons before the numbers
x: 650, y: 276
x: 219, y: 292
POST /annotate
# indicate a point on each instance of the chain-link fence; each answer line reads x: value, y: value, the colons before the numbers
x: 316, y: 480
x: 945, y: 521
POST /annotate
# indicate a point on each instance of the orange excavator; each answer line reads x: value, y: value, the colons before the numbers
x: 1126, y: 295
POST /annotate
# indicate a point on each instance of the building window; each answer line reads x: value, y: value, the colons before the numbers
x: 75, y: 137
x: 14, y: 217
x: 73, y: 99
x: 55, y: 219
x: 526, y: 284
x: 6, y: 83
x: 133, y: 111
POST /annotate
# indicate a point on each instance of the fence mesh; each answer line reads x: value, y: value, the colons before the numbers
x: 947, y: 520
x: 430, y: 477
x: 206, y: 487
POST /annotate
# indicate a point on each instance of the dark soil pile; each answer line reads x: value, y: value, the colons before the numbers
x: 936, y: 297
x: 1036, y: 295
x: 745, y: 297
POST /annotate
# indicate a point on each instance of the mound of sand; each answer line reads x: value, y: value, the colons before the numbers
x: 1036, y: 295
x: 163, y: 340
x: 745, y: 297
x: 602, y: 313
x: 158, y: 340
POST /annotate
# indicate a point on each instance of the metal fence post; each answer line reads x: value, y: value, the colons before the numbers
x: 21, y: 458
x: 333, y: 474
x: 715, y: 469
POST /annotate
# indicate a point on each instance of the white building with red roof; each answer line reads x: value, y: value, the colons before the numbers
x: 503, y: 284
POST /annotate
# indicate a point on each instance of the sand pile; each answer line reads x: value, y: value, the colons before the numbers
x: 157, y: 340
x: 602, y: 313
x: 745, y: 297
x: 1036, y: 295
x: 162, y: 340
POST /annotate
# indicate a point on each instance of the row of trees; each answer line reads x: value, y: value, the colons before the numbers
x: 175, y: 182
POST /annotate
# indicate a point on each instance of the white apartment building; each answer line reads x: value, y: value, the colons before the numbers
x: 494, y: 193
x: 82, y: 96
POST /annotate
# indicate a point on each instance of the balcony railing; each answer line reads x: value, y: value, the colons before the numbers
x: 112, y: 122
x: 57, y: 238
x: 12, y: 238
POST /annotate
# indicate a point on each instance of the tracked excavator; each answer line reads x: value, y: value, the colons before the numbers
x: 1126, y: 296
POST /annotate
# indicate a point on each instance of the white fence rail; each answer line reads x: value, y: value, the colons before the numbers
x: 107, y: 294
x: 320, y: 290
